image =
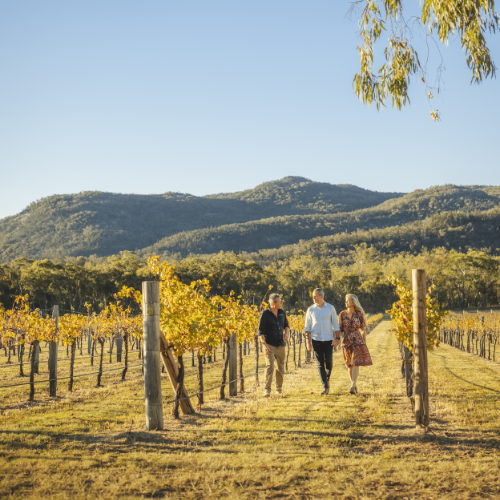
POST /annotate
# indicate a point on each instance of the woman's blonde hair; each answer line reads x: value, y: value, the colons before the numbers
x: 355, y: 299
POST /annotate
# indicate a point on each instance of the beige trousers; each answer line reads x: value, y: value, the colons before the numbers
x: 276, y: 354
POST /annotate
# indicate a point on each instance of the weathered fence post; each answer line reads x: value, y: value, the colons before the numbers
x: 421, y: 388
x: 152, y: 362
x: 53, y: 355
x: 233, y: 365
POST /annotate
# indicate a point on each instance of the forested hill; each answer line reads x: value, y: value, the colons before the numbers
x: 451, y: 230
x: 343, y: 227
x: 104, y: 223
x: 287, y: 212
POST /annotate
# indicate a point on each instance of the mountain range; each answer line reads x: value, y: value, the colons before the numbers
x: 289, y: 215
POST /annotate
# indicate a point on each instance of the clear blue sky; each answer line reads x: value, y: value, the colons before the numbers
x: 217, y: 96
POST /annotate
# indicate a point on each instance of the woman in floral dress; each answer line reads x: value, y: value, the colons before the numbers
x: 352, y: 324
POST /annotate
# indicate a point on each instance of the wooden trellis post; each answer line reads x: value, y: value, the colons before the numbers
x: 421, y: 388
x: 152, y: 361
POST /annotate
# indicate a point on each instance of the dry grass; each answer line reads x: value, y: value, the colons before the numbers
x: 301, y: 445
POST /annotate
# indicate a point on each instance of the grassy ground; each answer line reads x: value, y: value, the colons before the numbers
x: 300, y: 445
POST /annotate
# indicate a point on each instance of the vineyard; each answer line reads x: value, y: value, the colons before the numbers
x: 107, y: 345
x: 91, y: 442
x: 473, y: 332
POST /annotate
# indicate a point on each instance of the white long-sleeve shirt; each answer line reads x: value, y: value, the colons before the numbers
x: 321, y: 322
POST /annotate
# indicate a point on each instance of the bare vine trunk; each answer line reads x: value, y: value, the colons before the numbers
x: 111, y: 344
x: 21, y: 354
x: 224, y: 371
x: 180, y: 386
x: 92, y: 355
x: 257, y: 360
x: 125, y: 342
x: 242, y: 380
x: 32, y: 373
x: 294, y: 357
x: 72, y: 366
x: 287, y: 353
x: 200, y: 379
x: 99, y: 375
x: 300, y: 345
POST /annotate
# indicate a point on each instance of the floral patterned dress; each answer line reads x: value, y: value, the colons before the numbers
x: 353, y: 346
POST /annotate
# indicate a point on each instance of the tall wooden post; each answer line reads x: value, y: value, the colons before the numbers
x: 420, y: 348
x: 233, y: 365
x: 152, y: 362
x: 53, y: 355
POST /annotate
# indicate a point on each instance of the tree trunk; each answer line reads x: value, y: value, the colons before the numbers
x: 72, y: 366
x: 180, y: 386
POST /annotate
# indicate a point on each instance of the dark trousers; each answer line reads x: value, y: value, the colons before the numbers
x: 323, y: 350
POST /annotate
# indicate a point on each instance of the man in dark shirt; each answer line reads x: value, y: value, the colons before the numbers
x: 273, y: 332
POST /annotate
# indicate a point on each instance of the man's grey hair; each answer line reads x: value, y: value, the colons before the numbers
x: 274, y: 297
x: 319, y: 290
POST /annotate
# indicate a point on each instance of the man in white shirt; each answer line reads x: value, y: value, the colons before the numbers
x: 321, y: 323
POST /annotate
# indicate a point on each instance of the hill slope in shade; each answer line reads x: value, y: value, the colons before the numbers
x: 275, y: 232
x: 104, y: 223
x: 450, y: 230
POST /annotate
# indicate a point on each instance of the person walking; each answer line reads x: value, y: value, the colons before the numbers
x: 273, y: 333
x: 353, y: 324
x: 321, y: 323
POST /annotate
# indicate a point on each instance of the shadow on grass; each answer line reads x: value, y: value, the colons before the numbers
x: 173, y: 440
x: 463, y: 379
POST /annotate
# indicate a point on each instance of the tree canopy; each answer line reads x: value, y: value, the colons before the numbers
x: 438, y: 22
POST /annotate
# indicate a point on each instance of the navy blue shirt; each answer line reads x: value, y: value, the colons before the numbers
x: 272, y: 326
